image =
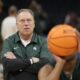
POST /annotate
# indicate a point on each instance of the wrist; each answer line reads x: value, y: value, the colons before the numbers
x: 35, y: 60
x: 31, y: 60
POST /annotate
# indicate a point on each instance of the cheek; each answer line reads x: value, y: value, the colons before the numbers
x: 33, y: 28
x: 19, y: 28
x: 32, y: 25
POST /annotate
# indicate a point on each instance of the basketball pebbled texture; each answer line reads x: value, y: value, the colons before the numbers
x: 62, y: 40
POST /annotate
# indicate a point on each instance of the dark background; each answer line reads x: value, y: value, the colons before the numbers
x: 56, y: 9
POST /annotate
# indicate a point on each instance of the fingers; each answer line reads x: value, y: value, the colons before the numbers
x: 9, y: 55
x: 59, y: 59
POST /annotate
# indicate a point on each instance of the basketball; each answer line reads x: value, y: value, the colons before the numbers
x: 62, y: 40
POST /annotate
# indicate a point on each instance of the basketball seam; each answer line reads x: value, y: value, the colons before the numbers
x: 61, y: 37
x: 63, y: 47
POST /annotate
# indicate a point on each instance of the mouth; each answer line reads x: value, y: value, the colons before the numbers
x: 26, y: 29
x: 26, y: 26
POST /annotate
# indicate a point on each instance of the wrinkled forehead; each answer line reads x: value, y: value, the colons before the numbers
x: 25, y: 12
x: 24, y: 16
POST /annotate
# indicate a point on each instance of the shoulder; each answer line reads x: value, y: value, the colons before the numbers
x: 8, y: 21
x: 40, y: 39
x: 11, y: 38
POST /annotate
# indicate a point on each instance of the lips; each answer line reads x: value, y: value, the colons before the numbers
x: 26, y: 29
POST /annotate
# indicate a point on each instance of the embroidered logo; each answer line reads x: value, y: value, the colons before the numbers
x: 16, y: 47
x: 34, y: 48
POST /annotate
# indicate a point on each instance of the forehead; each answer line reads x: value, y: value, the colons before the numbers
x: 24, y: 15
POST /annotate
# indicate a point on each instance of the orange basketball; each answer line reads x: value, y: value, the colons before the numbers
x: 62, y: 40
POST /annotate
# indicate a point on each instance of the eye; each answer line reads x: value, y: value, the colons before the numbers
x: 29, y: 20
x: 22, y: 20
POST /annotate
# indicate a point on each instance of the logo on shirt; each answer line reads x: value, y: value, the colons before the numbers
x: 16, y: 47
x: 35, y: 48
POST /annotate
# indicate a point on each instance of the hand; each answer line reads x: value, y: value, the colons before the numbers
x: 9, y: 55
x: 35, y: 60
x: 59, y: 59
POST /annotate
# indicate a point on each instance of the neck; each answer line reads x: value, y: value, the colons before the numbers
x: 27, y: 37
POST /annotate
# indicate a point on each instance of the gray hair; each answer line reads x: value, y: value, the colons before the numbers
x: 25, y: 10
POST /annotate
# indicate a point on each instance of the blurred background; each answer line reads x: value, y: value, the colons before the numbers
x: 48, y: 13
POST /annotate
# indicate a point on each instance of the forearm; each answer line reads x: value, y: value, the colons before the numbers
x: 15, y: 64
x: 56, y: 72
x: 36, y: 66
x: 47, y: 72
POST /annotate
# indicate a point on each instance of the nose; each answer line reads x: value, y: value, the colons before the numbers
x: 26, y: 22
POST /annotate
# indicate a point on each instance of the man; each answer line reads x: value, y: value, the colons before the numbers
x: 25, y: 52
x: 67, y: 68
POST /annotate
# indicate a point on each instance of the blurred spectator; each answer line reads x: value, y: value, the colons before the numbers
x: 12, y: 11
x: 40, y: 16
x: 8, y: 26
x: 18, y: 3
x: 73, y: 20
x: 2, y: 16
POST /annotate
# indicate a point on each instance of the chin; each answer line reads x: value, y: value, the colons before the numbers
x: 28, y: 33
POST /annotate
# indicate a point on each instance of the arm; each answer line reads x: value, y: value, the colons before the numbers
x: 10, y: 61
x: 44, y: 58
x: 36, y: 66
x: 49, y: 73
x: 13, y: 65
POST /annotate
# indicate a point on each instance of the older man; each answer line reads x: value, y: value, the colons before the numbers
x: 24, y: 52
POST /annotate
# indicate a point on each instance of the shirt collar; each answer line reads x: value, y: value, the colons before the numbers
x: 17, y: 38
x: 34, y: 38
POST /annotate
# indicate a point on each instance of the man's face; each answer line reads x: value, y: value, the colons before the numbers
x: 25, y: 23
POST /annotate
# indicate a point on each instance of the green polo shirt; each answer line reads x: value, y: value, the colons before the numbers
x: 36, y: 48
